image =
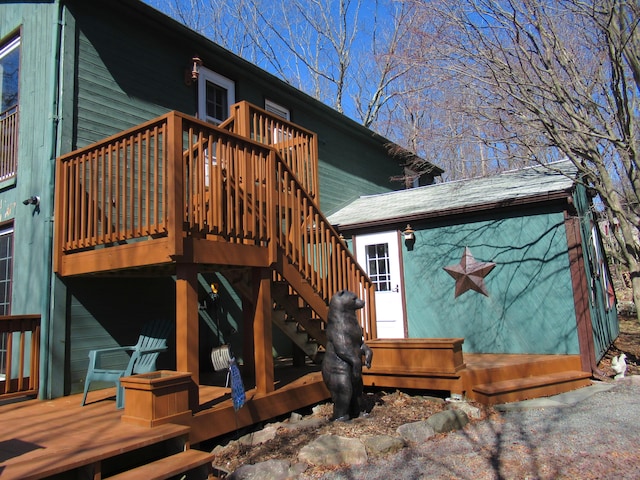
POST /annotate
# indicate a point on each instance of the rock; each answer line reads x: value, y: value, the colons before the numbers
x: 448, y: 420
x: 416, y: 432
x: 309, y: 422
x: 470, y: 410
x: 269, y: 470
x: 295, y: 417
x: 334, y: 450
x: 382, y: 444
x: 627, y: 309
x: 260, y: 436
x: 436, y: 400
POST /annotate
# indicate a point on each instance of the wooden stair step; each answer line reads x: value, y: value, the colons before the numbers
x: 530, y: 387
x: 170, y: 466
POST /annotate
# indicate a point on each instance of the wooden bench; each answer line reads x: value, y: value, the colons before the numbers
x: 168, y: 467
x: 530, y: 387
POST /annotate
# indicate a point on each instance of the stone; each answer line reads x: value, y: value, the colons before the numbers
x: 260, y: 436
x: 448, y: 420
x: 269, y: 470
x: 334, y: 450
x: 309, y: 422
x: 382, y: 444
x: 416, y: 432
x: 470, y: 410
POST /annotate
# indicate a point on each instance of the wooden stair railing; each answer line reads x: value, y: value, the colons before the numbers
x: 178, y: 175
x: 298, y: 147
x: 19, y: 355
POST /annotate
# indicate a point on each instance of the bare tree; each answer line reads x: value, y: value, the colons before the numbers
x: 342, y: 52
x: 547, y: 76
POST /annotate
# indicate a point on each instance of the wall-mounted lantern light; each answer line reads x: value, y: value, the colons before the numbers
x: 35, y: 201
x: 32, y: 200
x: 191, y: 74
x: 409, y: 235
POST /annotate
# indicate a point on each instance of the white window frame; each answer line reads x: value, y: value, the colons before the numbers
x: 277, y: 109
x: 210, y: 76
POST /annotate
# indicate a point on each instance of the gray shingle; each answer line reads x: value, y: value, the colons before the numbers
x: 442, y: 197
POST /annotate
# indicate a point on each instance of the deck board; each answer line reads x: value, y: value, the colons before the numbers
x: 41, y: 438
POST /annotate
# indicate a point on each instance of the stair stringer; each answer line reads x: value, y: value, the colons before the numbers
x: 305, y: 331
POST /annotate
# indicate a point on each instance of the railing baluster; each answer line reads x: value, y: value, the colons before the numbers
x: 14, y: 329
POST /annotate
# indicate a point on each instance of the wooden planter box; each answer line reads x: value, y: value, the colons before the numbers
x: 416, y: 356
x: 155, y: 398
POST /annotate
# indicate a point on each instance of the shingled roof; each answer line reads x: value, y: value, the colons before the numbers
x: 527, y: 185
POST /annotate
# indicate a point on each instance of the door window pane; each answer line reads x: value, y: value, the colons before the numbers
x: 378, y: 266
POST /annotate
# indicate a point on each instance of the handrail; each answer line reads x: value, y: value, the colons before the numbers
x: 114, y: 190
x: 8, y: 142
x: 20, y: 355
x: 297, y: 146
x: 310, y: 243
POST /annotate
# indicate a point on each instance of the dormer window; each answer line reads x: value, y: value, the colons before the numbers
x: 215, y: 95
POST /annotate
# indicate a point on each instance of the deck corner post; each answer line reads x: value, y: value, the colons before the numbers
x: 262, y: 331
x: 187, y: 324
x: 175, y: 180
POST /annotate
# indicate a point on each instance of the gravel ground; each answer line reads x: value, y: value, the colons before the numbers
x: 596, y: 438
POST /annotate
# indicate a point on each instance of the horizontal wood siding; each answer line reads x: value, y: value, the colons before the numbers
x: 126, y: 74
x: 530, y: 305
x: 110, y: 312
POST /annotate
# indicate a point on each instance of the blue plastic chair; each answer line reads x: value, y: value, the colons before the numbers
x: 152, y: 342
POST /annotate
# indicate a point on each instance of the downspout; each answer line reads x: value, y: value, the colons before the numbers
x: 47, y: 303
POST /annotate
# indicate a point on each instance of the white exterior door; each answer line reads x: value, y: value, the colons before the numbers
x: 379, y: 255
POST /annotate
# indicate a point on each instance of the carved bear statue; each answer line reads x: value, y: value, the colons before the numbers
x: 342, y: 363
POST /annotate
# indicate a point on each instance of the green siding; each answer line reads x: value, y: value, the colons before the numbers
x: 108, y: 312
x: 125, y: 74
x: 530, y: 306
x: 35, y: 166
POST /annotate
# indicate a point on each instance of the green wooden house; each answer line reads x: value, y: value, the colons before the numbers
x: 512, y: 263
x: 79, y: 268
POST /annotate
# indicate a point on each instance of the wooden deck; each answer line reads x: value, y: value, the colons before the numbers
x: 61, y: 439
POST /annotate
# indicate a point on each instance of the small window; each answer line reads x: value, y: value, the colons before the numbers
x: 216, y: 94
x: 9, y: 96
x: 378, y: 267
x: 6, y: 276
x: 9, y: 75
x: 276, y: 109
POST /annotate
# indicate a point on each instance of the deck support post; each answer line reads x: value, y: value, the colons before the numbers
x: 187, y: 320
x: 262, y: 330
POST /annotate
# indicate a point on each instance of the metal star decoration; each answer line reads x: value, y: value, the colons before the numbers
x: 469, y: 274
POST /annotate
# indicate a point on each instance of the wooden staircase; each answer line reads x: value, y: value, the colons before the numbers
x: 493, y: 379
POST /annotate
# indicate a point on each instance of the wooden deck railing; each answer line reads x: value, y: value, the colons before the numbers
x: 20, y: 354
x: 223, y: 187
x: 297, y: 146
x: 8, y: 143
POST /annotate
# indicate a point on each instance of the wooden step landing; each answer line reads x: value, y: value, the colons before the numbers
x: 518, y: 389
x: 167, y: 467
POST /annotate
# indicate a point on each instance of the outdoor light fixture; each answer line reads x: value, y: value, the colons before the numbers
x: 32, y: 200
x: 191, y: 75
x: 409, y: 235
x: 35, y: 201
